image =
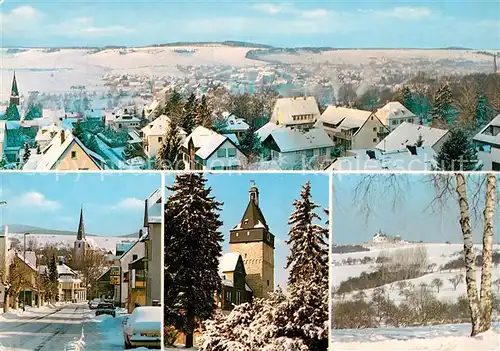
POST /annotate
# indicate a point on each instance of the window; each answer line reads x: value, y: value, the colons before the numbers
x: 221, y: 153
x: 322, y: 151
x: 217, y: 168
x: 381, y: 129
x: 268, y: 282
x: 134, y: 257
x: 374, y: 140
x: 160, y: 139
x: 374, y: 129
x: 231, y: 152
x: 73, y: 155
x: 393, y: 122
x: 309, y: 153
x: 495, y: 166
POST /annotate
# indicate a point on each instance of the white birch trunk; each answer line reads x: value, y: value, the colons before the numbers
x: 470, y: 276
x: 486, y: 303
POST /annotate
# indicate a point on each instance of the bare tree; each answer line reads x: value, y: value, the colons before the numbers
x: 438, y: 283
x: 93, y: 263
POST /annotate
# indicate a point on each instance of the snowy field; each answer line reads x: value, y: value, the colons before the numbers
x: 104, y: 242
x: 454, y: 337
x: 57, y: 71
x: 439, y: 254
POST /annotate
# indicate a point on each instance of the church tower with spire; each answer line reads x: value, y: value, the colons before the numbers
x: 80, y: 246
x: 252, y: 239
x: 14, y: 92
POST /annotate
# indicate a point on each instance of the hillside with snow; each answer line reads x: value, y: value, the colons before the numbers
x: 351, y: 265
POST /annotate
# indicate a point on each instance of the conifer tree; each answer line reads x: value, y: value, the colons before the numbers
x: 250, y: 144
x: 174, y: 106
x: 78, y: 131
x: 3, y: 162
x: 309, y: 248
x: 170, y: 156
x: 442, y: 109
x: 192, y: 251
x: 458, y: 153
x: 92, y: 144
x: 27, y: 151
x: 203, y: 114
x: 188, y: 121
x: 481, y: 110
x: 128, y: 152
x: 53, y: 278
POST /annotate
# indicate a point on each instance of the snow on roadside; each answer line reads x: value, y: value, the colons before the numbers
x: 76, y: 345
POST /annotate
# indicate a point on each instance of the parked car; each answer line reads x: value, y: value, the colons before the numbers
x: 94, y: 303
x: 143, y: 327
x: 106, y: 308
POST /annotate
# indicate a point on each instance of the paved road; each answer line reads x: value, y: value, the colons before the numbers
x: 47, y: 330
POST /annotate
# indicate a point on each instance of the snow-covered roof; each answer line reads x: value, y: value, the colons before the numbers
x: 491, y: 133
x: 127, y: 118
x: 345, y: 118
x: 228, y: 262
x: 400, y: 160
x: 408, y: 134
x: 271, y: 165
x: 286, y: 108
x: 264, y: 131
x: 30, y: 259
x: 211, y: 144
x: 234, y: 123
x: 56, y: 150
x: 393, y: 109
x: 63, y: 269
x: 233, y: 138
x: 69, y: 279
x: 159, y: 127
x: 289, y: 140
x: 199, y: 135
x: 46, y: 133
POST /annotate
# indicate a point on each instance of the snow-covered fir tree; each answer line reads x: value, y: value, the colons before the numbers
x: 3, y: 162
x: 169, y: 156
x: 203, y: 113
x: 481, y: 110
x: 308, y: 240
x: 27, y: 152
x: 250, y: 144
x: 92, y: 144
x: 78, y: 131
x: 192, y: 252
x: 188, y: 120
x: 458, y: 153
x: 128, y: 152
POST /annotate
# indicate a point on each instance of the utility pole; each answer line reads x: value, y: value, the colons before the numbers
x: 24, y: 289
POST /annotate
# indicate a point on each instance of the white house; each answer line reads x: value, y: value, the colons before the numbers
x: 205, y: 149
x: 291, y: 147
x: 411, y: 159
x: 352, y: 128
x: 298, y: 112
x: 488, y: 142
x: 135, y: 252
x: 124, y: 122
x: 412, y: 134
x: 2, y: 137
x: 154, y: 133
x: 235, y: 125
x: 394, y: 113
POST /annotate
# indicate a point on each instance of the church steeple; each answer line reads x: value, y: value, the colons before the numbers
x: 14, y: 92
x: 81, y: 229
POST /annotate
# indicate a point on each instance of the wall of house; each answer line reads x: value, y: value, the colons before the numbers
x: 218, y: 162
x: 154, y: 145
x: 295, y: 158
x: 137, y: 251
x: 490, y: 159
x: 81, y: 161
x: 394, y: 122
x: 155, y: 265
x: 367, y: 136
x: 437, y: 146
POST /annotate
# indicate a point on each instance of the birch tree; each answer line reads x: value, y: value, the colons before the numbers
x: 476, y: 196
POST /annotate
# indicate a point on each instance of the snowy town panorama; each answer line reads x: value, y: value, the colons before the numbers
x: 69, y: 289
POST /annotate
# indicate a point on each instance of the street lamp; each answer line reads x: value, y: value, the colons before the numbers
x: 24, y: 290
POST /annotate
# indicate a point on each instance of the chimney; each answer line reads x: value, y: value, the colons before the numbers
x: 63, y: 136
x: 140, y: 233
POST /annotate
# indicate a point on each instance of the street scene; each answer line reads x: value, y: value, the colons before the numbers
x: 80, y: 269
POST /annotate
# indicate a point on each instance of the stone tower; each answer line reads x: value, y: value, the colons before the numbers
x: 80, y: 245
x: 255, y: 243
x: 14, y: 92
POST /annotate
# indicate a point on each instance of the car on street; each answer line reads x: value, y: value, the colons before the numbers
x: 105, y: 308
x: 94, y: 303
x: 143, y: 327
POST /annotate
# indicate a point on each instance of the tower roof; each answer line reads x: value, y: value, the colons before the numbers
x: 81, y: 229
x: 14, y: 91
x: 253, y: 216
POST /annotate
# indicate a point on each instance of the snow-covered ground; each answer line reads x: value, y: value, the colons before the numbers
x: 439, y: 254
x: 107, y: 243
x: 454, y: 337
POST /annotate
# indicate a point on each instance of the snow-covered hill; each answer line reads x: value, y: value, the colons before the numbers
x: 107, y: 243
x: 438, y: 254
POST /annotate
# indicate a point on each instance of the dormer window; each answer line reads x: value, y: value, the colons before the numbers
x: 246, y: 221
